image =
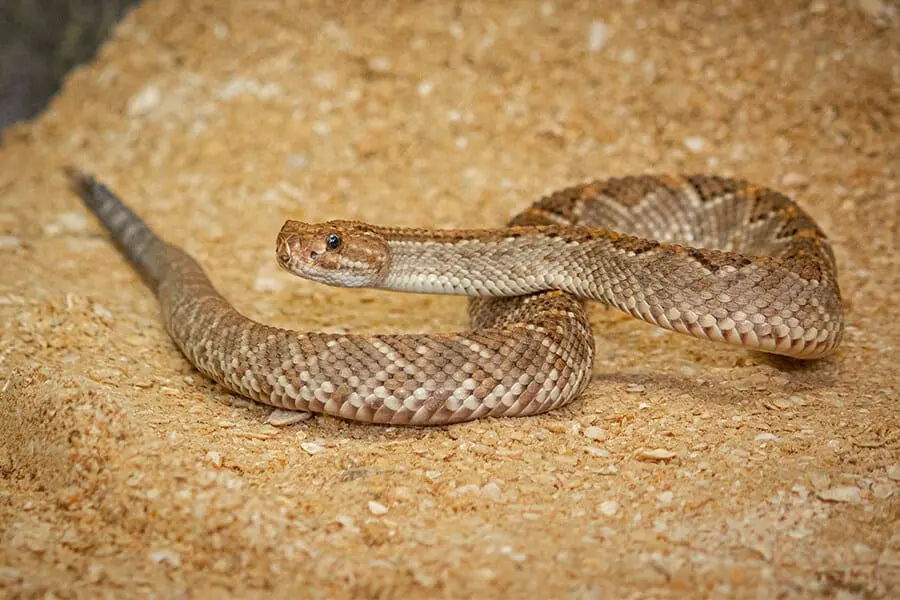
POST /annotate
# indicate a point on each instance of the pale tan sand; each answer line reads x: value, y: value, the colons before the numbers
x: 688, y: 469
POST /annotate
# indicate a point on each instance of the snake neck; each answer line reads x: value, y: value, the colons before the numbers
x: 485, y: 262
x: 594, y: 264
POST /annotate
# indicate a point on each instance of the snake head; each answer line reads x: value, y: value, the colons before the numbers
x: 339, y: 253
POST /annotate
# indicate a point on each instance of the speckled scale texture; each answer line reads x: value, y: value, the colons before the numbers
x: 766, y: 280
x: 716, y: 258
x: 502, y: 368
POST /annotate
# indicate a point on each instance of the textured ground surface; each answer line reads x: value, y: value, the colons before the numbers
x: 687, y: 469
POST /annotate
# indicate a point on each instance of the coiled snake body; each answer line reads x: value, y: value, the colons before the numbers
x: 715, y: 258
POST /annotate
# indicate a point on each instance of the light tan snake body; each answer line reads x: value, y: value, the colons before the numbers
x: 766, y: 281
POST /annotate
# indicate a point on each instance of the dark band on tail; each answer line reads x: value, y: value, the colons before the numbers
x: 132, y: 235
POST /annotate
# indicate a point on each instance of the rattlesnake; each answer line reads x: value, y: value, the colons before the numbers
x: 758, y: 273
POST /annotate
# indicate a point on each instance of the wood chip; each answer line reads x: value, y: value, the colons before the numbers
x: 882, y: 491
x: 819, y: 480
x: 656, y: 455
x: 282, y: 418
x: 144, y: 101
x: 377, y: 508
x: 492, y: 491
x: 609, y: 508
x: 9, y: 242
x: 694, y: 143
x: 595, y: 433
x: 597, y: 36
x: 665, y: 497
x: 267, y: 284
x: 166, y: 556
x: 312, y: 448
x: 782, y: 403
x: 252, y: 435
x: 840, y: 493
x: 214, y: 457
x: 795, y: 180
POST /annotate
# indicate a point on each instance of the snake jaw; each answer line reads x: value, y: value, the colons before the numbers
x: 338, y: 253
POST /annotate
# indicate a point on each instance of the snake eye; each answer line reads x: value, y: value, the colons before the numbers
x: 333, y: 241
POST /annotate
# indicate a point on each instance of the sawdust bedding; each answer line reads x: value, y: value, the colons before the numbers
x: 687, y: 469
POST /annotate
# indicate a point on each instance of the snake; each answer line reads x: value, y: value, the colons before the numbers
x: 712, y: 257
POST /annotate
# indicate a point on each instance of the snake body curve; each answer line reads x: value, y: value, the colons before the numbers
x: 758, y: 273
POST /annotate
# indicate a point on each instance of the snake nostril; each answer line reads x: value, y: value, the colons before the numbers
x: 313, y: 255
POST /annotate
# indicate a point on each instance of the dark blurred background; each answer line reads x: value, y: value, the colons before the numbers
x: 40, y: 40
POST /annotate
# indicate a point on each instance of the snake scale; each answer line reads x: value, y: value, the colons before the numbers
x: 711, y: 257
